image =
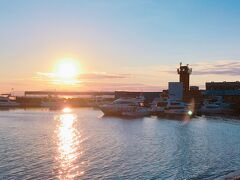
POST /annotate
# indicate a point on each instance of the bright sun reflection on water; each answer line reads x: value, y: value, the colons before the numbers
x: 67, y: 110
x: 69, y: 149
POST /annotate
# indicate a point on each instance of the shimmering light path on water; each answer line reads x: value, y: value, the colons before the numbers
x: 81, y: 144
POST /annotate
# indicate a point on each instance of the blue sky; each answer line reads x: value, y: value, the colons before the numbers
x: 140, y: 40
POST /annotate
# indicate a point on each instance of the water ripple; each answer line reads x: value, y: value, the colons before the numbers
x: 80, y: 145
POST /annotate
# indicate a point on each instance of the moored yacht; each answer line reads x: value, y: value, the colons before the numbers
x: 137, y: 112
x: 158, y: 106
x: 178, y: 108
x: 215, y: 105
x: 7, y: 102
x: 131, y: 107
x: 168, y: 107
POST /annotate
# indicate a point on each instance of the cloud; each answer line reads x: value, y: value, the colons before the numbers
x: 114, y: 86
x: 229, y: 68
x: 87, y: 76
x: 102, y: 76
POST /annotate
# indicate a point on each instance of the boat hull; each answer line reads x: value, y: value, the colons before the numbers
x: 109, y: 112
x: 125, y: 111
x: 137, y: 113
x: 216, y: 111
x: 9, y: 105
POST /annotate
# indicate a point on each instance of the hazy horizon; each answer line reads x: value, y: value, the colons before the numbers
x: 116, y: 45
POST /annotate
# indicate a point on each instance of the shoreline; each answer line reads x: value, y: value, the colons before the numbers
x: 218, y: 116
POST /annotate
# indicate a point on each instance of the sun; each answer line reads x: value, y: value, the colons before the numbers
x: 67, y: 69
x: 66, y: 72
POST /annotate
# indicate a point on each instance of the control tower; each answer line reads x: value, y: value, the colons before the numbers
x: 184, y: 76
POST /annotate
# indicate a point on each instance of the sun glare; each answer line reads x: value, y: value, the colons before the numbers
x: 67, y: 110
x: 66, y: 70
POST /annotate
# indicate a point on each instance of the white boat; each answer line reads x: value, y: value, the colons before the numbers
x: 178, y: 108
x: 6, y: 102
x: 215, y: 105
x: 138, y: 112
x: 126, y: 107
x: 158, y: 106
x: 168, y: 107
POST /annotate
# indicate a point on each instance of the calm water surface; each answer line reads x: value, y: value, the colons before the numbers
x: 41, y: 144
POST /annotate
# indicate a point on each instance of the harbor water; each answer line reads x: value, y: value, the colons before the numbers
x: 83, y: 144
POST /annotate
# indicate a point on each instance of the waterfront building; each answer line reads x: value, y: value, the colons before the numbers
x: 223, y: 85
x: 175, y: 90
x: 184, y: 76
x: 230, y: 91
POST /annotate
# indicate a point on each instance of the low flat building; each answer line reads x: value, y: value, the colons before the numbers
x: 223, y: 85
x: 230, y: 91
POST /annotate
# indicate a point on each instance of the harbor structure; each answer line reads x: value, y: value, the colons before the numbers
x: 67, y: 93
x: 184, y: 76
x: 180, y: 91
x: 76, y: 99
x: 229, y: 91
x: 219, y: 86
x: 189, y: 93
x: 175, y: 90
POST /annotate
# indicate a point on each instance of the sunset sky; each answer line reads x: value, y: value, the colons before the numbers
x: 105, y: 45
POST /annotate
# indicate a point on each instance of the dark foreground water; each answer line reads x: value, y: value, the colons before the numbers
x: 41, y: 144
